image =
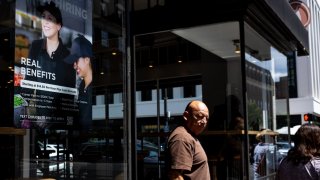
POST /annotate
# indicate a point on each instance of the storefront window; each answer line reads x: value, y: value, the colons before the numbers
x: 68, y: 89
x: 267, y: 93
x: 76, y: 105
x: 196, y: 63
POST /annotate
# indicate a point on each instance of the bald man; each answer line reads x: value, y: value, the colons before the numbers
x: 188, y: 160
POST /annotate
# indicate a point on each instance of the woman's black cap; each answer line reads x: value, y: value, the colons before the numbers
x: 53, y: 9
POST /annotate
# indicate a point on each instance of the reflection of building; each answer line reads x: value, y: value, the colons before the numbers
x: 255, y: 76
x: 282, y: 84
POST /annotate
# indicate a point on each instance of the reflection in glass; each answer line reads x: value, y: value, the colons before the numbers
x: 266, y: 79
x: 208, y: 70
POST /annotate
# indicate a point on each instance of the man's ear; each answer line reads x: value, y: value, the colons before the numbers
x: 185, y: 115
x: 87, y: 59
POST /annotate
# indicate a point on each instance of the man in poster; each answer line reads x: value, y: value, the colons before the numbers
x: 81, y: 57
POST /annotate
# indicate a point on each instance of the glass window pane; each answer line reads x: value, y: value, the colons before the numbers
x: 196, y: 63
x: 267, y: 93
x: 76, y: 143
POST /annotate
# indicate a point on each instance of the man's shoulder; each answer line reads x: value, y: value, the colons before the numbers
x: 179, y: 130
x: 180, y: 133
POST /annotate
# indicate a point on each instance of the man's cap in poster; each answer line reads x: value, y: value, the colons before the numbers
x: 52, y: 9
x: 81, y: 47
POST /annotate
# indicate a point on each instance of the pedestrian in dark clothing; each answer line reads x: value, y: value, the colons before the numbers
x: 303, y: 160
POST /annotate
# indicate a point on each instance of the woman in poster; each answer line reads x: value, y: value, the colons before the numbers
x: 48, y: 53
x: 45, y: 68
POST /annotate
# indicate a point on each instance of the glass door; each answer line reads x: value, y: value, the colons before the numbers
x: 177, y: 66
x: 267, y: 104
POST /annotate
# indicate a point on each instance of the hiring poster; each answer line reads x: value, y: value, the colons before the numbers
x: 53, y: 56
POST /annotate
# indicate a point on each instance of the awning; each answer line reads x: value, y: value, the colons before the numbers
x: 284, y: 130
x: 273, y: 19
x: 279, y: 14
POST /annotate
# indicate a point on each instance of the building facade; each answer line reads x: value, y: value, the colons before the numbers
x: 307, y: 98
x: 150, y: 59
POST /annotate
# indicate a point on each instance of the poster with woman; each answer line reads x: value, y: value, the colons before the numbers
x: 47, y: 86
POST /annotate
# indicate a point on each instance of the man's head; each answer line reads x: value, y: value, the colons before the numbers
x: 81, y: 47
x: 196, y: 116
x: 81, y: 55
x: 263, y: 134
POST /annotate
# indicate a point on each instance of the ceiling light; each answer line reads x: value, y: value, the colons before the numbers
x: 236, y: 43
x: 237, y: 49
x: 150, y: 64
x: 179, y: 59
x: 101, y: 70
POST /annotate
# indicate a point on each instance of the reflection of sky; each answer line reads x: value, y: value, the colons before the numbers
x: 277, y: 65
x: 280, y: 63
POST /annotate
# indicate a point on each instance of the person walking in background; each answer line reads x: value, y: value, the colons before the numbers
x: 188, y: 159
x: 261, y: 153
x: 81, y: 56
x: 303, y: 160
